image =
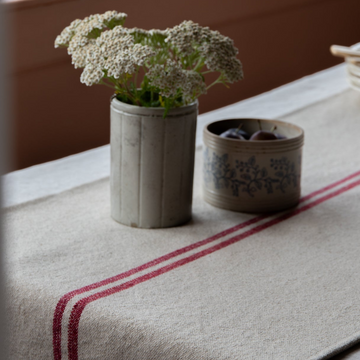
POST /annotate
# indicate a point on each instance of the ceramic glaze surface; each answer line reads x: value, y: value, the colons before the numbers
x: 252, y: 176
x: 152, y: 164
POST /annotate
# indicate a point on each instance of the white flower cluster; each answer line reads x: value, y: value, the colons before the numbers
x: 220, y: 55
x: 98, y: 51
x: 173, y: 80
x: 82, y: 28
x: 66, y: 35
x: 167, y: 77
x: 187, y: 36
x: 173, y: 59
x: 114, y: 52
x: 193, y: 86
x: 218, y: 51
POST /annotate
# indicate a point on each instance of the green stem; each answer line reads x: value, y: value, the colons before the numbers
x: 113, y: 81
x: 108, y: 85
x: 131, y: 96
x: 218, y: 80
x: 199, y: 65
x: 135, y: 80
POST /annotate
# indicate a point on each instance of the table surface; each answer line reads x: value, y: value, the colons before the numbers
x: 58, y: 176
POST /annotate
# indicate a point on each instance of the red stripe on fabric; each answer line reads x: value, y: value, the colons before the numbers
x: 64, y: 300
x: 329, y: 187
x: 79, y: 307
x: 61, y: 305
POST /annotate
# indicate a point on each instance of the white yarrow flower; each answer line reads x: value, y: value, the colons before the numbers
x: 173, y: 59
x: 91, y: 75
x: 193, y: 86
x: 168, y: 78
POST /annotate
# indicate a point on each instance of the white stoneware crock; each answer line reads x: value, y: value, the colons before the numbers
x: 252, y: 176
x: 152, y: 164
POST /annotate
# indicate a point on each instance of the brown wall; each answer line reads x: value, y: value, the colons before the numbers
x: 55, y: 115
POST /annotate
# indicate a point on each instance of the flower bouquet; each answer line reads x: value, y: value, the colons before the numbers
x: 150, y: 68
x: 156, y: 75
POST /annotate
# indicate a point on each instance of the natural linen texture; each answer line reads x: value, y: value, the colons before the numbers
x: 280, y: 287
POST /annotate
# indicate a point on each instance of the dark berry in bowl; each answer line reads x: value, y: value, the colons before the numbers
x: 236, y: 134
x: 279, y: 136
x: 263, y: 135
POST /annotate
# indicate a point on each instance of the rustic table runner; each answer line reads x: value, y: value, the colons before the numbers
x: 224, y: 286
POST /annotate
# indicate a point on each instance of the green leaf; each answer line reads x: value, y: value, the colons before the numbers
x: 124, y: 99
x: 114, y: 22
x: 155, y: 103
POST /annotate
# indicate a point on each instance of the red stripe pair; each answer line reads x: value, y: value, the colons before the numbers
x: 79, y: 307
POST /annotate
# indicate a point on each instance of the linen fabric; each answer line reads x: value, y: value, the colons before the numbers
x: 226, y: 285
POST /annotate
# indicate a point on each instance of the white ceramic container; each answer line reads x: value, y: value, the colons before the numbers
x: 152, y: 164
x: 252, y: 176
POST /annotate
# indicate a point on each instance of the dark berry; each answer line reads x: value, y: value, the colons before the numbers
x: 263, y: 135
x: 234, y: 134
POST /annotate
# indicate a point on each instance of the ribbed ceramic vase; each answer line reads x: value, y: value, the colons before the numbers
x: 152, y: 164
x: 252, y: 176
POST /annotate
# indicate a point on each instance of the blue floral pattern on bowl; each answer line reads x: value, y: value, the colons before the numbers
x: 247, y: 176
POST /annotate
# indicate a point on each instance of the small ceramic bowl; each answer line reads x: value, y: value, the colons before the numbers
x: 248, y: 175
